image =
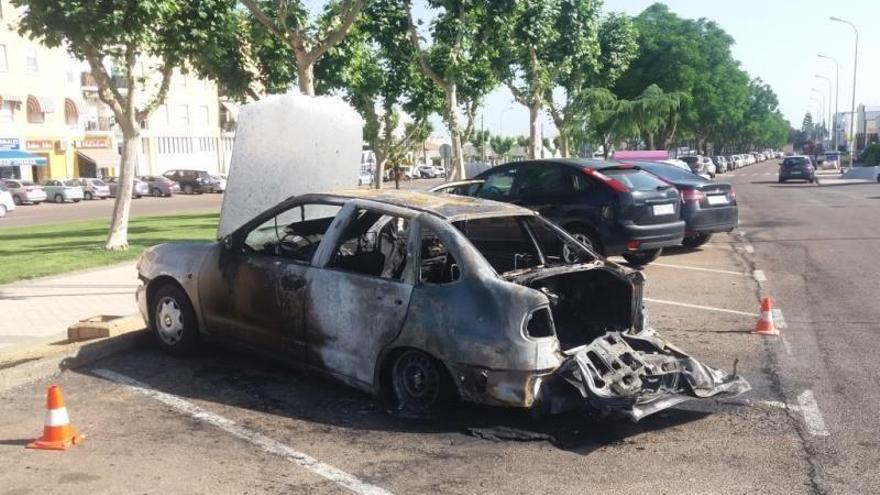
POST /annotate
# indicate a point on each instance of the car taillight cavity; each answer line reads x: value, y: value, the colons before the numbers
x: 692, y: 195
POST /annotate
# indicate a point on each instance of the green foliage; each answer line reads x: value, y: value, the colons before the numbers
x: 502, y: 144
x: 871, y: 155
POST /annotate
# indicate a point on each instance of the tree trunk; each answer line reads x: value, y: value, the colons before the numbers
x: 458, y: 171
x: 381, y: 160
x: 118, y: 238
x: 563, y: 144
x: 534, y: 140
x: 305, y: 78
x: 650, y: 140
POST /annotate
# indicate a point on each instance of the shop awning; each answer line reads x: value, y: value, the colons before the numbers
x: 10, y: 97
x: 12, y: 158
x: 101, y: 157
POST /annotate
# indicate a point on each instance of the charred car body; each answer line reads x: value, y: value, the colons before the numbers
x: 419, y: 297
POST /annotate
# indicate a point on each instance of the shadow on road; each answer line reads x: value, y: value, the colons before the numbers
x: 244, y: 381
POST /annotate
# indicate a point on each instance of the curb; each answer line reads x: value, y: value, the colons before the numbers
x: 40, y: 362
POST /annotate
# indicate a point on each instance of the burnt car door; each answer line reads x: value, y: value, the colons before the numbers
x: 253, y: 289
x: 359, y: 295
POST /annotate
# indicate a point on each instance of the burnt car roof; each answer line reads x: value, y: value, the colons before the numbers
x: 447, y: 206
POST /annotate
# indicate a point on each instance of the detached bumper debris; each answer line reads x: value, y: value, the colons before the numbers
x: 640, y: 374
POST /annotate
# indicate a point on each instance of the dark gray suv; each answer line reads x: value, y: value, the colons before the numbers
x: 797, y: 168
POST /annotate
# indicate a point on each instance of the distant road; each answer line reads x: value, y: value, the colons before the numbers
x: 48, y: 213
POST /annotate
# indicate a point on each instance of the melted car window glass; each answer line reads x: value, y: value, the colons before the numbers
x: 294, y: 233
x: 373, y: 244
x: 437, y: 265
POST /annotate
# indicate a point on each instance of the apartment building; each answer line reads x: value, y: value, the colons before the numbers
x: 53, y: 125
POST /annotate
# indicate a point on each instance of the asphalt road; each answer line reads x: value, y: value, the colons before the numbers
x: 48, y: 213
x: 229, y: 422
x: 818, y: 246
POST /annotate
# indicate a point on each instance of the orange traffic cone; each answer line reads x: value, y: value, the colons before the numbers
x: 765, y: 324
x: 57, y: 432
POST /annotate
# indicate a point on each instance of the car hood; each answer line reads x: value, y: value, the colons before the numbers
x: 288, y: 145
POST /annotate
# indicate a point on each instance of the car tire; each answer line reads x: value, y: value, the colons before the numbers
x: 187, y: 189
x: 16, y: 200
x: 586, y: 236
x: 139, y: 196
x: 419, y: 383
x: 782, y: 181
x: 696, y: 240
x: 88, y: 196
x: 173, y: 320
x: 76, y: 200
x: 640, y: 258
x: 59, y: 198
x: 156, y: 192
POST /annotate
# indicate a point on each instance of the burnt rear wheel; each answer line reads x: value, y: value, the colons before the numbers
x: 640, y: 258
x: 419, y: 383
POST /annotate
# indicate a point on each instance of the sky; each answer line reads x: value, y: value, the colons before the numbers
x: 776, y: 40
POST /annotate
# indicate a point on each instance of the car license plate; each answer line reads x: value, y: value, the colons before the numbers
x: 718, y: 199
x: 663, y: 210
x: 795, y: 172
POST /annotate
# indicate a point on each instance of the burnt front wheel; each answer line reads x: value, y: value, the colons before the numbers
x: 418, y: 383
x: 640, y: 258
x: 696, y: 240
x: 173, y: 320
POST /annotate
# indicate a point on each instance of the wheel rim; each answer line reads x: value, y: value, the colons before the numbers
x: 169, y: 321
x: 59, y: 199
x: 584, y: 239
x: 416, y: 381
x: 16, y: 200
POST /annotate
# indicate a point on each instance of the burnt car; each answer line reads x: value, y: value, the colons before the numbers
x: 419, y: 298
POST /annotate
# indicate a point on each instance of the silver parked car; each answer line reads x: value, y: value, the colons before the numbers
x: 160, y: 186
x: 25, y: 192
x: 420, y: 297
x: 93, y: 188
x: 139, y: 187
x: 6, y: 202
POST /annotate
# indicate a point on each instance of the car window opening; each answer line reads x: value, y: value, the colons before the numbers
x: 374, y: 244
x: 437, y: 265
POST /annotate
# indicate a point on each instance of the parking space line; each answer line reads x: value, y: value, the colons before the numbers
x: 696, y: 268
x: 267, y: 444
x: 759, y: 275
x: 812, y: 415
x: 697, y: 306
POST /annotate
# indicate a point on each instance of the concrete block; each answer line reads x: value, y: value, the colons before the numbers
x: 103, y: 326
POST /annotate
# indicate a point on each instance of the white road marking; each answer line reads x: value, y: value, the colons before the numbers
x: 778, y: 319
x: 710, y: 270
x: 759, y: 275
x: 812, y: 414
x: 327, y: 471
x: 776, y: 404
x: 749, y: 249
x: 785, y: 346
x: 697, y: 306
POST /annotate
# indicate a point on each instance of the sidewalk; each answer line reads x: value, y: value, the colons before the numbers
x: 41, y: 309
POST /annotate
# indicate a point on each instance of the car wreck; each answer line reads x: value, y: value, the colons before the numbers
x: 421, y: 297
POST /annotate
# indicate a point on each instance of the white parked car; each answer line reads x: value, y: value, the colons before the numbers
x: 677, y: 163
x: 6, y: 202
x: 427, y: 171
x: 366, y: 178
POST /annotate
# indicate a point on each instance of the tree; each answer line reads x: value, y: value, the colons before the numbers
x: 373, y: 69
x: 580, y: 70
x: 501, y: 145
x: 288, y: 22
x: 459, y: 60
x: 163, y: 34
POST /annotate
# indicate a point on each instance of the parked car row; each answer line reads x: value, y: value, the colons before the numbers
x: 632, y: 209
x: 708, y: 167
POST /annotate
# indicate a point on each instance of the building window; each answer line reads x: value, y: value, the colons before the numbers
x: 71, y: 115
x: 4, y: 65
x: 7, y: 112
x: 35, y: 114
x: 30, y: 59
x: 203, y: 116
x: 183, y: 115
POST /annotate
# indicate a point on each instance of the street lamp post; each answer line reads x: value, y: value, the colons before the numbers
x: 821, y: 102
x: 820, y: 76
x: 852, y: 120
x: 836, y: 95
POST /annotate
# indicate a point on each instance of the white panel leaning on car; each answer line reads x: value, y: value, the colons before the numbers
x: 287, y: 145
